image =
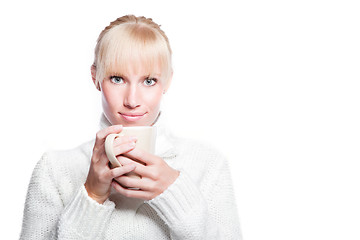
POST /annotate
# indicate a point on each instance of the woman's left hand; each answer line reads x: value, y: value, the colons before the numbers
x: 156, y: 176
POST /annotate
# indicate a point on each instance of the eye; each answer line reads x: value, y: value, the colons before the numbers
x: 150, y: 81
x: 116, y: 79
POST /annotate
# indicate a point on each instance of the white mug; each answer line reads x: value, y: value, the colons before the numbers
x: 146, y: 138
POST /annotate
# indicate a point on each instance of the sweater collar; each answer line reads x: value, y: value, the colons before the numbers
x: 164, y: 146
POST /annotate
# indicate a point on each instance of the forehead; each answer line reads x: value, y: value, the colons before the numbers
x: 136, y: 67
x: 122, y: 52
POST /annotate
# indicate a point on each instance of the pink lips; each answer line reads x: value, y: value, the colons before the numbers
x: 132, y: 117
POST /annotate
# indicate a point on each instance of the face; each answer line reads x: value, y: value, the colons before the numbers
x: 132, y: 99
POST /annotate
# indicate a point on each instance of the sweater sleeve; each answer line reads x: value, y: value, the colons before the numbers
x: 47, y: 217
x: 192, y: 214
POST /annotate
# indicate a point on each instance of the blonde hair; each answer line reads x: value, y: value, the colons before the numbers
x: 131, y: 41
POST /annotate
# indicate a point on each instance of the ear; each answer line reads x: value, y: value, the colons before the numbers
x: 93, y: 76
x: 168, y: 83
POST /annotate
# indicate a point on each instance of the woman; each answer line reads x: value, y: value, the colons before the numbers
x: 185, y: 190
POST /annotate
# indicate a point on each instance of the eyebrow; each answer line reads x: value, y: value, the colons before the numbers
x: 144, y: 76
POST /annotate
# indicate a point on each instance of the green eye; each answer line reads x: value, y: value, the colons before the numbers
x: 116, y: 79
x: 150, y: 81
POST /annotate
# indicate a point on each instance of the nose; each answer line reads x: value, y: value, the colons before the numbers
x: 131, y: 98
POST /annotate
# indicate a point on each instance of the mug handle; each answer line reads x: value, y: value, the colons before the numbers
x: 109, y: 150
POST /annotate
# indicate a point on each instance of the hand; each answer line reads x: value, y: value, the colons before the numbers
x: 100, y: 176
x: 156, y: 175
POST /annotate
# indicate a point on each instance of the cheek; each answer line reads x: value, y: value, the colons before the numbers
x: 153, y: 100
x: 110, y: 99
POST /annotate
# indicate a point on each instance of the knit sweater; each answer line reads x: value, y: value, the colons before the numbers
x: 200, y: 204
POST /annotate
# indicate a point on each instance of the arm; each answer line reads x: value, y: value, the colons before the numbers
x: 46, y: 217
x: 190, y: 211
x: 191, y: 214
x: 42, y: 206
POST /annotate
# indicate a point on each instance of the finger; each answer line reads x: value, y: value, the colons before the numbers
x: 142, y: 156
x: 125, y: 160
x: 144, y: 184
x: 100, y: 140
x: 144, y: 171
x: 123, y: 148
x: 101, y: 135
x: 129, y: 182
x: 147, y: 172
x: 145, y: 195
x: 123, y: 139
x: 119, y: 171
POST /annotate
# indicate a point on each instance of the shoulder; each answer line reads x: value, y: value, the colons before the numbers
x: 198, y: 148
x: 198, y: 156
x: 65, y: 165
x: 186, y: 149
x: 69, y: 156
x: 60, y: 173
x: 84, y: 149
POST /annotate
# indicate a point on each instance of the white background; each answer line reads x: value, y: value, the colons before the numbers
x: 273, y: 84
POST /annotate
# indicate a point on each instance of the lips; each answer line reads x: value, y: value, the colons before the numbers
x: 132, y: 117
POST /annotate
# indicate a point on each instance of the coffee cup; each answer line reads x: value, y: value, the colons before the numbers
x: 145, y: 135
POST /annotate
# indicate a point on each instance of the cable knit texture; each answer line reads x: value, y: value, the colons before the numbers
x: 200, y: 204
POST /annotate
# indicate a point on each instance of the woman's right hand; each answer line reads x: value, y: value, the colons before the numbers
x: 100, y: 176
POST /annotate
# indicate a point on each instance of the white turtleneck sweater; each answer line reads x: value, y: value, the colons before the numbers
x: 200, y: 204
